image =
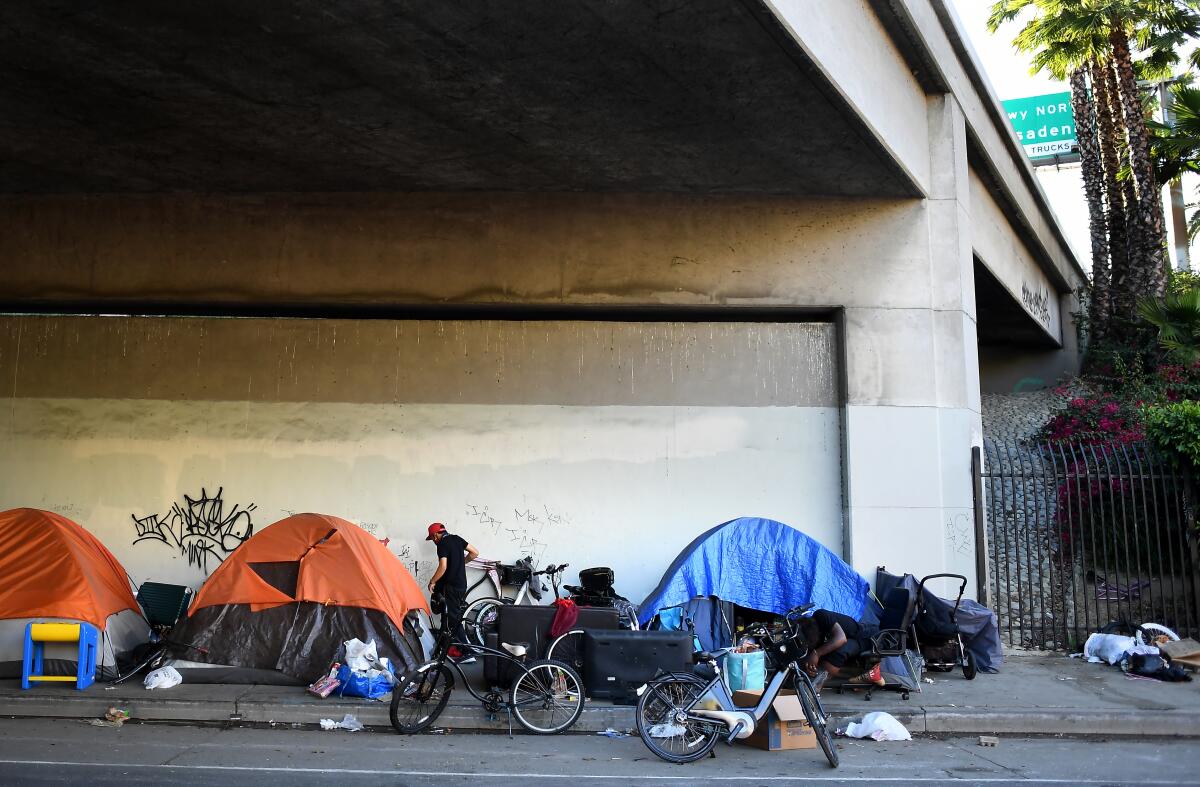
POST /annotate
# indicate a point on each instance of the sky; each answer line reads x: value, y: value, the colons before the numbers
x: 1007, y: 70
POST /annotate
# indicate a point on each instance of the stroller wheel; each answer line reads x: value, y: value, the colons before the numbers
x: 969, y: 670
x: 904, y: 695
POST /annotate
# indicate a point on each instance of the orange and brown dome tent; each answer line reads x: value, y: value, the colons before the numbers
x: 287, y: 598
x: 53, y: 569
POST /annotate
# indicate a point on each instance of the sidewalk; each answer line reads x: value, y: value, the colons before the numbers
x: 1035, y: 694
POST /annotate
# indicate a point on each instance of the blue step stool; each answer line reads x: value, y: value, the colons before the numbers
x: 36, y: 637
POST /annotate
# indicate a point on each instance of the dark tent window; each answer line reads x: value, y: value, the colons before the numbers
x: 281, y: 575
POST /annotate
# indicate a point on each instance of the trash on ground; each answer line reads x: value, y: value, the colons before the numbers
x: 323, y: 686
x: 878, y: 726
x: 989, y: 740
x: 611, y: 733
x: 364, y: 673
x: 361, y: 656
x: 1107, y: 647
x: 348, y: 722
x: 667, y: 731
x: 1184, y: 653
x: 163, y: 678
x: 117, y: 715
x: 1152, y: 665
x: 927, y: 680
x: 113, y: 717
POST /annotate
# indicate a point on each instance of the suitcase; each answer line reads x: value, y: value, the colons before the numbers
x: 616, y: 663
x: 596, y: 579
x: 521, y: 624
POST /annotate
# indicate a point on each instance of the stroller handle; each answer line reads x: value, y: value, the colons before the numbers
x: 962, y: 580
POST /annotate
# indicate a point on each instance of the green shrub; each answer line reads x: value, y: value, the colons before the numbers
x: 1175, y: 428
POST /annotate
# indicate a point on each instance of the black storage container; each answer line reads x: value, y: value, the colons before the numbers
x: 596, y: 579
x: 616, y: 663
x: 521, y: 624
x: 491, y: 664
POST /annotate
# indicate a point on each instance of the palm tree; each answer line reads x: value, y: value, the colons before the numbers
x: 1066, y: 35
x: 1093, y: 189
x: 1177, y: 318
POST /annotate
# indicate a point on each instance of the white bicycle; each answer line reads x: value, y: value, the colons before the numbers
x: 481, y: 614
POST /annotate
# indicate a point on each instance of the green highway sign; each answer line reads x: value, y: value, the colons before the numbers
x: 1044, y: 124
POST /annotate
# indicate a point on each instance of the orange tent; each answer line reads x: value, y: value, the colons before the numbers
x: 278, y: 609
x: 54, y: 568
x: 340, y: 564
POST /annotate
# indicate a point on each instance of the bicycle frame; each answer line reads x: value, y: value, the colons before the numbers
x: 730, y: 714
x: 440, y: 657
x: 491, y: 571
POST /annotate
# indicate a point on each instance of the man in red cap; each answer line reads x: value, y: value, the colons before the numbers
x: 450, y: 582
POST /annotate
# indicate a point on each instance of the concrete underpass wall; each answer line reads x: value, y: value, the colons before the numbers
x: 593, y: 443
x: 192, y: 416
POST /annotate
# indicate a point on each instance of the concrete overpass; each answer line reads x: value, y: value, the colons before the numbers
x: 743, y: 257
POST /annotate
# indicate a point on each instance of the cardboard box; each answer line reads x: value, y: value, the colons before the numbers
x: 785, y: 726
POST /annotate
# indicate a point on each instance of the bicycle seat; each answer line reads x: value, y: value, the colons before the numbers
x: 516, y: 650
x: 702, y: 656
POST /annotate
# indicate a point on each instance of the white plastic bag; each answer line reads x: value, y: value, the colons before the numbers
x: 348, y: 722
x: 361, y: 656
x: 163, y: 678
x: 879, y: 726
x: 667, y: 730
x: 1108, y: 647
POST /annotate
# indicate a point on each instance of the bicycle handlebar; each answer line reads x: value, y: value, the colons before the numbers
x: 552, y: 569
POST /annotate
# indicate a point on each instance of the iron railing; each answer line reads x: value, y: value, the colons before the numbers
x: 1083, y: 535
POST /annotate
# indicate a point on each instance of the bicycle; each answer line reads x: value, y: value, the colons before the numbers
x: 546, y: 698
x: 680, y: 716
x: 481, y: 613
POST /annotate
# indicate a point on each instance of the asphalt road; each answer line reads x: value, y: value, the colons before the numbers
x: 43, y: 751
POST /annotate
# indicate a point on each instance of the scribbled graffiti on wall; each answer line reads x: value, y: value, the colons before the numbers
x: 524, y: 528
x: 200, y: 528
x: 960, y: 535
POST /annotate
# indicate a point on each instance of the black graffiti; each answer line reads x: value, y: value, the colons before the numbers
x: 200, y: 528
x: 1038, y: 303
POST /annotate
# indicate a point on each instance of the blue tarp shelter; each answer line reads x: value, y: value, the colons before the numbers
x: 761, y: 564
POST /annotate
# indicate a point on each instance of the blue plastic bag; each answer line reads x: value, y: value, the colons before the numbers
x: 355, y: 684
x: 746, y: 671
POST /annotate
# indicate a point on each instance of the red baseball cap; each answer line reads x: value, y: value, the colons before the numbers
x: 434, y: 529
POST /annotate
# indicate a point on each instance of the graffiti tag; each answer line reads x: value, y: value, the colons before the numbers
x: 200, y: 528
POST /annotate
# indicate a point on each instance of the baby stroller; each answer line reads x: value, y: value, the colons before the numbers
x: 935, y: 630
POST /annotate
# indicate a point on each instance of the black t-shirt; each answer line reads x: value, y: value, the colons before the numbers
x: 453, y: 548
x: 826, y: 619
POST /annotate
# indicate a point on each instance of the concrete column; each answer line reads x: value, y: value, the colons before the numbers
x: 913, y: 410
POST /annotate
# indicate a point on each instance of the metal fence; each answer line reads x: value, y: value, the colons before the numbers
x: 1079, y: 536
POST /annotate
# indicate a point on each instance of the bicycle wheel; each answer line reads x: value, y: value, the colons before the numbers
x: 548, y: 697
x: 419, y: 697
x: 817, y: 718
x: 568, y: 649
x: 664, y: 726
x: 479, y: 617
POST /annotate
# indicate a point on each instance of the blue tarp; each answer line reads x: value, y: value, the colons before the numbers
x: 761, y: 564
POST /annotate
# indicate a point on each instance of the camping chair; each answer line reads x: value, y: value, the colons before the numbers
x: 163, y: 604
x: 890, y: 641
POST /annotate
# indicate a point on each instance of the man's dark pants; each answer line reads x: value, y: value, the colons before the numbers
x: 456, y: 602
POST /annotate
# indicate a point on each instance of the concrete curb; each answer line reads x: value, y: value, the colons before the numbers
x: 236, y: 706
